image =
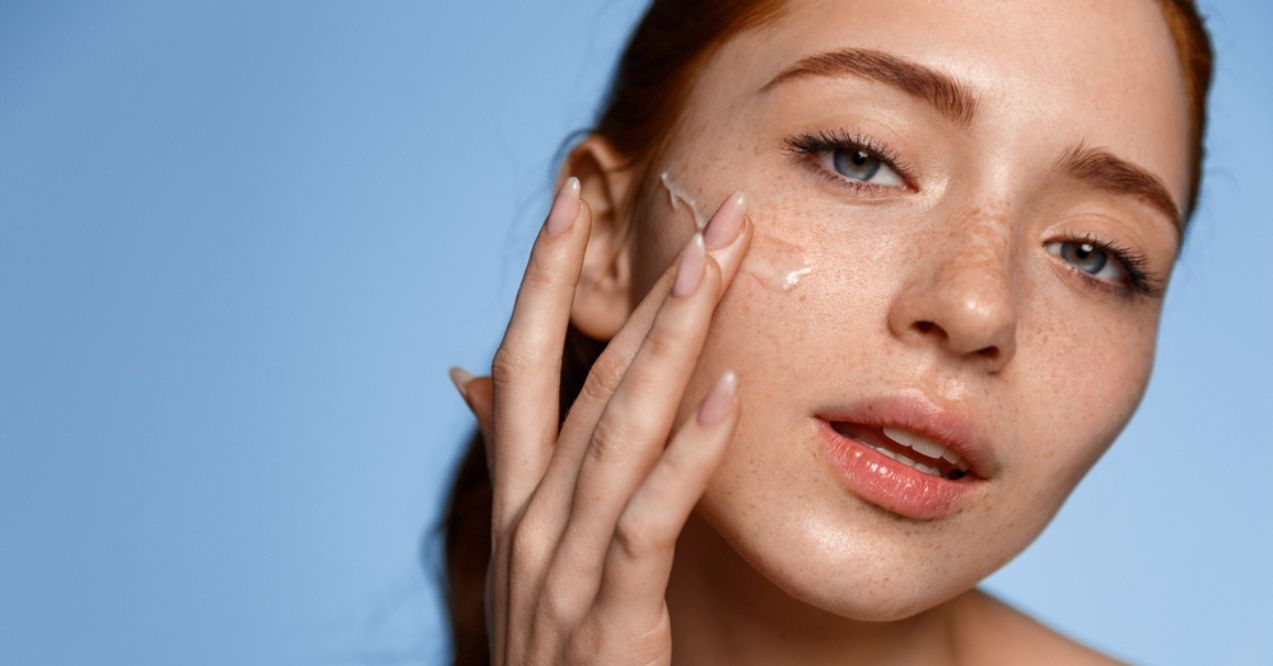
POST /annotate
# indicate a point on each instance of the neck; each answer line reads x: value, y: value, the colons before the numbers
x: 724, y: 611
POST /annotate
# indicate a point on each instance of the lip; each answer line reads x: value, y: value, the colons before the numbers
x: 895, y: 486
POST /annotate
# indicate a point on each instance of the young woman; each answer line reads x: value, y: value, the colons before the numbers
x: 832, y: 310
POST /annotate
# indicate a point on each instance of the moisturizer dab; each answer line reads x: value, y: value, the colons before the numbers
x: 775, y: 263
x: 678, y: 196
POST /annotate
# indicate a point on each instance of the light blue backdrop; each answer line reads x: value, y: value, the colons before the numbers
x: 240, y: 243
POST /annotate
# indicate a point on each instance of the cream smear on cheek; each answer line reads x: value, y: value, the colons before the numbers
x: 678, y: 196
x: 775, y: 263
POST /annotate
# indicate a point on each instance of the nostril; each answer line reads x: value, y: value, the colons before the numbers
x: 925, y: 326
x: 991, y: 352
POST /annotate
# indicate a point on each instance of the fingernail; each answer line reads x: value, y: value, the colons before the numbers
x: 565, y: 207
x: 689, y: 272
x: 727, y: 221
x: 719, y: 398
x: 460, y: 377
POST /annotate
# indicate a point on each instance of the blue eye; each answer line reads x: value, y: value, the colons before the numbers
x: 859, y: 165
x: 856, y: 161
x: 1090, y: 258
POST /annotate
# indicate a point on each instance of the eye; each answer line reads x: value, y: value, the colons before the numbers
x: 859, y: 164
x: 852, y: 160
x: 1091, y: 258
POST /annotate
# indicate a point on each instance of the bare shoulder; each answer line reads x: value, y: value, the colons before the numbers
x: 997, y: 633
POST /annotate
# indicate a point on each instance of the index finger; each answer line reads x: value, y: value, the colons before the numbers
x: 526, y: 369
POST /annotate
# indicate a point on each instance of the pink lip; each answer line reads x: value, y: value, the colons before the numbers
x: 895, y: 486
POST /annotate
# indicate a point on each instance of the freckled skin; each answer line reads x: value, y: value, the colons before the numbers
x: 780, y: 557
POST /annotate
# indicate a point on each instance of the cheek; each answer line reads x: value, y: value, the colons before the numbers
x: 1093, y: 364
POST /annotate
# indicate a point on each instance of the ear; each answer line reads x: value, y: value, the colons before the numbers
x: 603, y: 298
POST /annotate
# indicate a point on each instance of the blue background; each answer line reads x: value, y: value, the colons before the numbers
x: 241, y: 242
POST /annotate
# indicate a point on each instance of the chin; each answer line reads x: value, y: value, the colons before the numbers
x: 786, y: 523
x: 850, y: 571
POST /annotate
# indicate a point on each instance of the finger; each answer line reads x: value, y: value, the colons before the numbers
x: 553, y: 496
x: 477, y: 393
x: 639, y: 559
x: 526, y: 370
x: 635, y: 423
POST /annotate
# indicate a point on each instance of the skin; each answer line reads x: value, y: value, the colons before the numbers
x: 942, y: 286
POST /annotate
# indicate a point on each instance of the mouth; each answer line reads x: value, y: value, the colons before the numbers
x: 907, y: 454
x: 909, y: 448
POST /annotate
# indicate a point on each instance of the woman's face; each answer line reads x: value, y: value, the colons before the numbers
x: 948, y: 283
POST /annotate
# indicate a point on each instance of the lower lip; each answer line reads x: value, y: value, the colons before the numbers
x: 890, y: 484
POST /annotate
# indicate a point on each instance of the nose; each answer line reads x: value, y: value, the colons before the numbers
x: 958, y: 298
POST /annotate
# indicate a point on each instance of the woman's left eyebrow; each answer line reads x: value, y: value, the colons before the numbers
x: 1101, y: 169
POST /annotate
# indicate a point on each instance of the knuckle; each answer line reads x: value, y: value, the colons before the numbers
x: 539, y: 275
x: 603, y: 380
x: 529, y: 548
x: 611, y: 440
x: 554, y: 611
x: 636, y: 536
x: 508, y: 362
x: 560, y: 603
x: 685, y: 465
x: 663, y: 343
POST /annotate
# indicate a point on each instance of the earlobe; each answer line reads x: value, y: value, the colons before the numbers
x: 603, y: 298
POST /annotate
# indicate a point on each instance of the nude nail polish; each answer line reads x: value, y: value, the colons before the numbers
x: 727, y: 222
x: 689, y: 272
x: 718, y: 400
x: 460, y: 377
x: 565, y: 207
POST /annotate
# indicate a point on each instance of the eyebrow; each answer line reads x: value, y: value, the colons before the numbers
x: 944, y: 93
x: 1101, y: 169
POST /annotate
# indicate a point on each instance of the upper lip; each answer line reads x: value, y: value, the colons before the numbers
x: 915, y: 411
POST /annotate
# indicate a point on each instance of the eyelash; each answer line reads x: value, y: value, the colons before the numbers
x: 811, y: 144
x: 1139, y: 280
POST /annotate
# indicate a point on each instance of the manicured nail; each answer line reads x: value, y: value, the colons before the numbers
x: 689, y: 272
x: 565, y: 207
x: 718, y: 400
x: 727, y: 221
x: 460, y: 377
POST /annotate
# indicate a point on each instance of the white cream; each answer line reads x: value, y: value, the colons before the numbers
x: 769, y: 260
x: 677, y: 195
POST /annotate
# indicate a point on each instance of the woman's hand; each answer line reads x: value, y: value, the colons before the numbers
x: 585, y: 520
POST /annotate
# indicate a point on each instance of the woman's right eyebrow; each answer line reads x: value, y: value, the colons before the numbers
x: 943, y: 92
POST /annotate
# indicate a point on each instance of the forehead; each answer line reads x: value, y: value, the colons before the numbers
x: 1043, y: 72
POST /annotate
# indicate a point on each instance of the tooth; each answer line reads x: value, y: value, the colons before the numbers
x: 886, y: 452
x: 901, y: 457
x: 955, y: 459
x: 921, y: 444
x: 925, y: 468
